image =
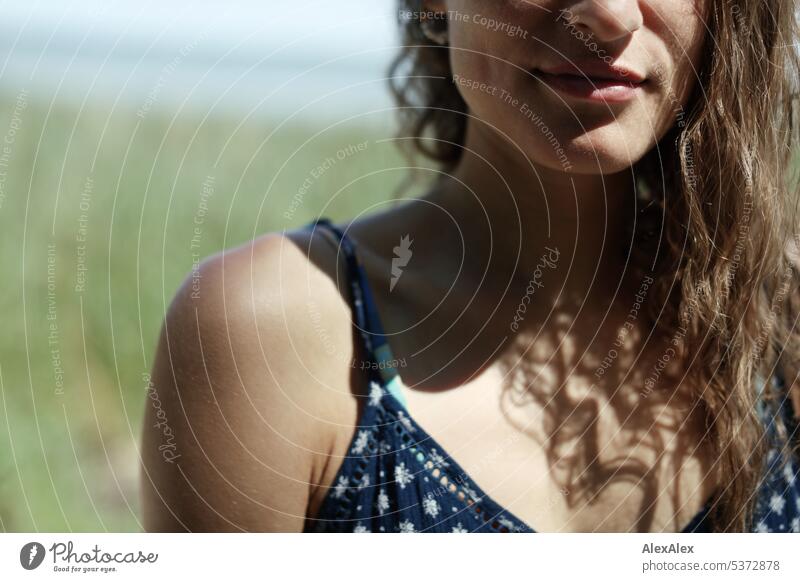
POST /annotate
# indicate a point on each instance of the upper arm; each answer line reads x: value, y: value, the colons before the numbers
x: 232, y: 435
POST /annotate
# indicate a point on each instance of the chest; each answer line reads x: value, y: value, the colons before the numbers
x: 571, y: 456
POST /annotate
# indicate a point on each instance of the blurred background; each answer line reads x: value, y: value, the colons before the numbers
x: 137, y: 138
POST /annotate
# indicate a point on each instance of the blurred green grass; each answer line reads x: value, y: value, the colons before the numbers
x: 132, y: 188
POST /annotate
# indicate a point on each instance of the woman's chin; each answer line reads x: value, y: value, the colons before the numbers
x: 591, y: 159
x: 608, y: 149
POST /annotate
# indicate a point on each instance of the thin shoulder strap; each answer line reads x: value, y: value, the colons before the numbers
x: 365, y: 312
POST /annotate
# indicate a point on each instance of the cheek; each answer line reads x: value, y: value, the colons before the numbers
x: 681, y: 31
x: 491, y: 40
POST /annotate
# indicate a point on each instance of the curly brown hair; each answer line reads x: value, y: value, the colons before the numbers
x: 723, y: 202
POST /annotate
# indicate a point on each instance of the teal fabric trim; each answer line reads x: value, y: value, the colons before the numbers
x: 394, y: 388
x: 388, y: 371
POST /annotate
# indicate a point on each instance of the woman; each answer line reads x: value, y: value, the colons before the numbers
x: 591, y: 313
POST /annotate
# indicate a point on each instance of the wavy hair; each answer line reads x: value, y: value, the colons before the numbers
x: 720, y: 226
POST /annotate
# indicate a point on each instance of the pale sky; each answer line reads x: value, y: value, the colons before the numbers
x: 99, y: 45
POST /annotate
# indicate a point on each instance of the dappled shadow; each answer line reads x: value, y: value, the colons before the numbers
x: 608, y: 414
x: 610, y: 418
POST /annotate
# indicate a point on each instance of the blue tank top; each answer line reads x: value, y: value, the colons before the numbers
x: 397, y: 478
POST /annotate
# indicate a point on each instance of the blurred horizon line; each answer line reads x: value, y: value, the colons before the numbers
x: 195, y: 52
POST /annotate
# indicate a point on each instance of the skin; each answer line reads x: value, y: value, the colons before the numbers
x: 254, y: 371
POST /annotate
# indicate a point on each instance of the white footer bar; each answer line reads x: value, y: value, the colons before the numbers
x: 389, y: 557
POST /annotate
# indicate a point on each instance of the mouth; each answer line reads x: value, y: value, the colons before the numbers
x: 604, y: 85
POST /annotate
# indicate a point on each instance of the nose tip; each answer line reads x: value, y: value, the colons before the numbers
x: 607, y: 20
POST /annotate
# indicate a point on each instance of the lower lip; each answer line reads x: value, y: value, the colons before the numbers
x: 602, y: 90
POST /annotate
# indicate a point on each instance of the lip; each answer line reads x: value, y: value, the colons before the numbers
x: 593, y: 81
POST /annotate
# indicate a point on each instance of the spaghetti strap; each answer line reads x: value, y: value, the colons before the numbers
x: 396, y: 477
x: 382, y: 364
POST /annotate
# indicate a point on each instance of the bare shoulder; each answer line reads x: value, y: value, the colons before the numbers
x: 250, y: 382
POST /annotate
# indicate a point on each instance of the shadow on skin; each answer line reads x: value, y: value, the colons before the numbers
x: 598, y: 431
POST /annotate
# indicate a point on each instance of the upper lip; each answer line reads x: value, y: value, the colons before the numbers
x: 597, y: 70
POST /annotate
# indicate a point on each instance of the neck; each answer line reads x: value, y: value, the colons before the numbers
x: 513, y: 212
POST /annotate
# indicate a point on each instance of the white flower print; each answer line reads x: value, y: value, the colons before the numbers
x: 340, y: 488
x: 776, y: 504
x: 789, y: 475
x: 796, y: 525
x: 361, y: 442
x: 375, y: 393
x: 405, y: 421
x: 382, y: 504
x: 472, y: 493
x: 430, y: 506
x: 407, y: 527
x: 360, y: 528
x: 504, y: 521
x: 384, y: 447
x: 761, y: 527
x: 459, y: 528
x: 437, y: 459
x: 364, y: 482
x: 402, y: 475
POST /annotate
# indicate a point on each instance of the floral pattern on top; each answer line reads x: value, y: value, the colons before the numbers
x: 397, y: 478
